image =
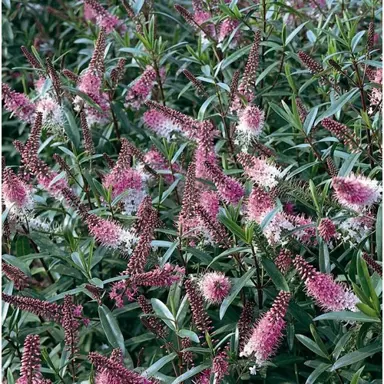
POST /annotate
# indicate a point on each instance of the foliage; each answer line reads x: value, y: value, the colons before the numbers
x: 174, y: 162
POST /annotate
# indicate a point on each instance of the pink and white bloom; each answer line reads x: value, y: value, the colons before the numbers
x: 53, y: 114
x: 161, y: 124
x: 18, y: 104
x: 110, y: 234
x: 328, y: 294
x: 215, y: 287
x: 17, y: 195
x: 251, y: 123
x: 260, y: 171
x: 268, y: 332
x: 142, y: 87
x: 327, y: 229
x: 227, y: 27
x: 356, y: 192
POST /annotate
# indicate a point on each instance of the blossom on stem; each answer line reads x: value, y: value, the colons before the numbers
x: 30, y: 362
x: 341, y: 131
x: 328, y: 294
x: 251, y: 123
x: 50, y: 311
x: 19, y: 278
x: 259, y: 170
x: 215, y: 287
x: 16, y: 194
x: 220, y: 365
x: 161, y: 124
x: 71, y: 326
x: 284, y: 260
x: 356, y: 192
x: 141, y: 90
x: 152, y: 323
x: 104, y: 376
x: 227, y: 27
x: 199, y: 315
x: 245, y: 323
x: 268, y: 331
x: 327, y: 230
x: 18, y: 104
x: 229, y: 189
x: 93, y: 10
x: 376, y: 267
x: 115, y: 370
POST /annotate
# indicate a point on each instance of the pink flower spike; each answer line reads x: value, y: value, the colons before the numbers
x: 160, y: 123
x: 356, y: 192
x: 328, y: 294
x: 215, y: 287
x: 268, y: 331
x: 229, y: 189
x: 327, y: 229
x: 251, y: 123
x: 106, y: 232
x: 141, y: 89
x: 18, y: 104
x: 16, y: 192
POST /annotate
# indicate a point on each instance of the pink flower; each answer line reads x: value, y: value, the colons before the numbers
x: 93, y: 10
x: 123, y: 181
x: 258, y: 205
x: 19, y: 278
x: 18, y: 104
x: 107, y: 232
x: 327, y: 229
x: 229, y: 189
x: 306, y: 235
x: 268, y: 331
x: 53, y: 187
x: 328, y: 294
x: 204, y: 153
x: 259, y: 170
x: 251, y: 123
x: 30, y: 362
x: 356, y: 192
x: 226, y: 29
x: 16, y: 192
x: 142, y: 88
x: 215, y: 287
x: 158, y: 162
x: 53, y: 114
x: 284, y: 260
x: 209, y: 201
x: 220, y: 366
x: 161, y: 124
x: 376, y: 95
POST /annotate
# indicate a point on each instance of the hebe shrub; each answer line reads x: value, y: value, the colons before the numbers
x: 191, y: 192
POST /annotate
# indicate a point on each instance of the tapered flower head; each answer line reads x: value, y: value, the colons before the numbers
x: 227, y: 27
x: 161, y: 124
x: 259, y: 170
x: 356, y: 192
x: 19, y: 278
x: 251, y: 123
x: 215, y: 287
x: 229, y: 189
x: 268, y: 331
x: 15, y: 192
x: 328, y: 294
x: 142, y: 88
x: 284, y: 260
x: 327, y: 230
x: 18, y: 104
x: 94, y: 10
x: 30, y: 362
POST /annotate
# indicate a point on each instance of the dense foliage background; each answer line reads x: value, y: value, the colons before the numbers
x: 296, y: 84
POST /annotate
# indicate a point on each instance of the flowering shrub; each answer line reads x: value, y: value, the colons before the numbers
x: 191, y: 192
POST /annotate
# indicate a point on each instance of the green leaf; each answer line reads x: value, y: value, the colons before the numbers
x: 294, y: 33
x: 204, y: 107
x: 233, y: 227
x: 189, y: 334
x: 192, y: 372
x: 236, y: 55
x: 360, y: 354
x: 164, y: 313
x: 309, y: 120
x: 348, y: 164
x: 356, y: 39
x: 324, y: 261
x: 234, y: 291
x: 169, y: 253
x: 346, y: 316
x: 111, y: 328
x: 356, y: 376
x: 336, y: 107
x: 275, y: 275
x: 310, y: 344
x: 71, y: 128
x: 321, y: 368
x: 149, y: 372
